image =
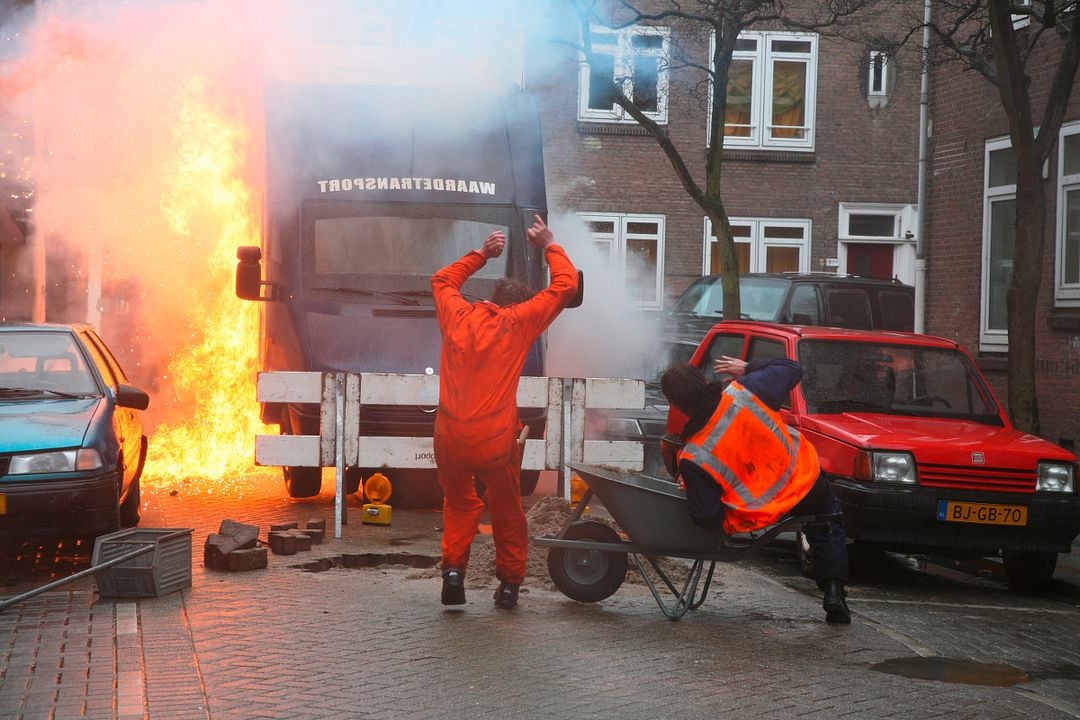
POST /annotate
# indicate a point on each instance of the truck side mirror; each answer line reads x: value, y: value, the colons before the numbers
x: 249, y: 282
x: 579, y: 296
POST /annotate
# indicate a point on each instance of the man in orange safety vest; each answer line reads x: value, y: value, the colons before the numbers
x: 744, y: 468
x: 484, y: 345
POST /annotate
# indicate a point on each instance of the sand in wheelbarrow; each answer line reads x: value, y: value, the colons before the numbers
x: 546, y: 517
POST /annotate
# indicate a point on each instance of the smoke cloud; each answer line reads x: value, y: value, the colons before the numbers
x: 138, y: 127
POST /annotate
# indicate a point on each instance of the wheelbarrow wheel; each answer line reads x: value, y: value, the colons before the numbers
x: 587, y: 575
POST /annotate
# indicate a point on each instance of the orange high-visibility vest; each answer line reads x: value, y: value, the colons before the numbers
x: 762, y: 466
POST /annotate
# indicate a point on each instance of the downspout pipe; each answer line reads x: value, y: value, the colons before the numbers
x: 924, y: 132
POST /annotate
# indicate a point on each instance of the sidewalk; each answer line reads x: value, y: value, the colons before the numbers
x: 375, y: 642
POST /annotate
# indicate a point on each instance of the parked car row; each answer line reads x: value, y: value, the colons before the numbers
x: 72, y: 447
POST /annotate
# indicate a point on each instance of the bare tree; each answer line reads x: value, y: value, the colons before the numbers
x: 715, y: 24
x: 1004, y: 42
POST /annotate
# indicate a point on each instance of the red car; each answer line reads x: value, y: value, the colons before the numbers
x: 915, y: 445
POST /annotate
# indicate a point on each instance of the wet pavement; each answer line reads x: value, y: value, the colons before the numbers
x: 308, y: 637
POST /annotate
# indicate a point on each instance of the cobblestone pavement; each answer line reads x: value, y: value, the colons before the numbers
x: 355, y: 643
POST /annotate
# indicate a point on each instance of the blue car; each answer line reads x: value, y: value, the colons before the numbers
x: 72, y: 447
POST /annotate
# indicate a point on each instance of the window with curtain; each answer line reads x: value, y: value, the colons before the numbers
x: 772, y: 82
x: 762, y: 245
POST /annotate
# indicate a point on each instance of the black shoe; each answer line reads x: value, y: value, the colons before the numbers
x: 506, y: 596
x: 835, y: 604
x: 453, y: 587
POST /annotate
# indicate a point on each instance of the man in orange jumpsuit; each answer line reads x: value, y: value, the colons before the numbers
x: 484, y: 345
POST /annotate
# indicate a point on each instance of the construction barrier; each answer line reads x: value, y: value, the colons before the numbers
x: 343, y: 396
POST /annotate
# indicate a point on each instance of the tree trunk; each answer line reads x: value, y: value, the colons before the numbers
x: 1024, y: 293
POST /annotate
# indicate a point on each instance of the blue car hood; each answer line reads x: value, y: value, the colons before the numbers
x: 27, y: 425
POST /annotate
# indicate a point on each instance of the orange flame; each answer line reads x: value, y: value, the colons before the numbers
x: 215, y: 374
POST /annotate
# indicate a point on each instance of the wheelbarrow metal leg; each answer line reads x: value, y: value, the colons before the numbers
x: 684, y: 599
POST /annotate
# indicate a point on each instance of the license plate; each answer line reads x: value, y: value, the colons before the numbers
x: 981, y: 513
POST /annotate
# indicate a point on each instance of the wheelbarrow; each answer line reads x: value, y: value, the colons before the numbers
x: 588, y: 559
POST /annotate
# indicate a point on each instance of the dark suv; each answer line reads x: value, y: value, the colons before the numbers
x: 822, y: 299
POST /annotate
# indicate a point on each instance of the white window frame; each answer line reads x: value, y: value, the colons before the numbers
x: 624, y: 53
x: 617, y: 249
x: 758, y: 244
x: 991, y: 339
x: 763, y: 58
x: 882, y: 88
x: 1066, y: 294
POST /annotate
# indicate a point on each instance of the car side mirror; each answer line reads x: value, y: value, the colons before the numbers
x: 249, y: 282
x: 579, y: 296
x: 130, y: 396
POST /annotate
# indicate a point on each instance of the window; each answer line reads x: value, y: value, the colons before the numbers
x: 1067, y: 256
x: 763, y: 246
x: 634, y: 246
x: 636, y: 59
x: 999, y: 236
x: 879, y: 74
x: 772, y: 83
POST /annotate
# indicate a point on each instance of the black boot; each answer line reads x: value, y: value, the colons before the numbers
x: 835, y: 604
x: 506, y: 596
x: 453, y: 587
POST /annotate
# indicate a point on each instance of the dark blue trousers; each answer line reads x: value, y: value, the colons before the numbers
x: 828, y: 541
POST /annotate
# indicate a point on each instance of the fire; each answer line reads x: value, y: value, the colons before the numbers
x: 213, y: 375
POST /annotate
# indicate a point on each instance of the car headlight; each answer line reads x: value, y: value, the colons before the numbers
x: 890, y: 467
x: 55, y: 462
x: 1055, y: 477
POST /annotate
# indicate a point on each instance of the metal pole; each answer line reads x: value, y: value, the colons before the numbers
x: 339, y: 452
x: 77, y: 576
x: 924, y: 131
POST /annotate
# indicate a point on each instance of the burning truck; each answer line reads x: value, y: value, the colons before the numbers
x: 370, y: 190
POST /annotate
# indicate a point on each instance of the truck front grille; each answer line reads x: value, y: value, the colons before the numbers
x: 976, y: 478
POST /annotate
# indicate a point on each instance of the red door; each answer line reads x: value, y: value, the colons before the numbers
x: 871, y: 260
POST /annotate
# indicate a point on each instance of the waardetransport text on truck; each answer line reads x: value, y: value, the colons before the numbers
x: 913, y: 441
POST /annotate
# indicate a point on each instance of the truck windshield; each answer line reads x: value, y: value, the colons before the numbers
x: 846, y: 376
x: 385, y: 245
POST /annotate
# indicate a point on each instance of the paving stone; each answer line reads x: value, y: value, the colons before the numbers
x: 247, y: 559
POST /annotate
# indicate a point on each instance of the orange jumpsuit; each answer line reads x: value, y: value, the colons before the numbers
x: 483, y: 350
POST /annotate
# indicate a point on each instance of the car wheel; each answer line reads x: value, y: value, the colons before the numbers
x: 302, y: 482
x: 129, y: 509
x: 587, y: 575
x: 1028, y: 570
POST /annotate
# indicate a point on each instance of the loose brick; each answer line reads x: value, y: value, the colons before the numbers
x: 282, y: 543
x: 247, y: 559
x: 247, y: 536
x: 282, y: 527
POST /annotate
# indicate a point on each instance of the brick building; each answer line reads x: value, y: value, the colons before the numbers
x: 970, y: 200
x: 839, y: 197
x: 831, y: 186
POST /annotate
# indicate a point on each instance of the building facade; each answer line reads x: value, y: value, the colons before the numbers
x: 971, y: 198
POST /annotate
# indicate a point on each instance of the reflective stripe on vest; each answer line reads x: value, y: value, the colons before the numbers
x: 766, y: 449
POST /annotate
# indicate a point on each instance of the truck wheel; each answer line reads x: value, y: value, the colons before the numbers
x: 1028, y: 570
x: 587, y: 575
x: 302, y: 482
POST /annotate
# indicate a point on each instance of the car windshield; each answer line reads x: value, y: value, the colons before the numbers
x: 759, y: 298
x: 36, y: 363
x: 848, y: 376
